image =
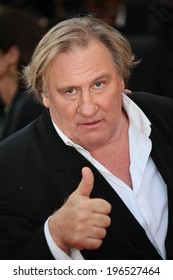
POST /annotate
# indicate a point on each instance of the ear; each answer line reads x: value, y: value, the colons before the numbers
x: 13, y: 55
x: 122, y: 84
x: 45, y: 99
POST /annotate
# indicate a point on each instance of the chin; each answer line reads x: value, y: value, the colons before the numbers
x: 93, y: 144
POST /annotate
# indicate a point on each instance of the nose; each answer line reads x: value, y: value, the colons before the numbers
x: 87, y: 105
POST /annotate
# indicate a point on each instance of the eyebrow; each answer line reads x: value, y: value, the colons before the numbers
x: 102, y: 76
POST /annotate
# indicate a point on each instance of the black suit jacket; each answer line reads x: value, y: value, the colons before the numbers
x: 38, y: 172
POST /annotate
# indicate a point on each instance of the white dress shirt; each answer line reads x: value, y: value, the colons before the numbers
x: 147, y: 201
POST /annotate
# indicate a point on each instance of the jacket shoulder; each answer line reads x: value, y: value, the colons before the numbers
x: 158, y: 109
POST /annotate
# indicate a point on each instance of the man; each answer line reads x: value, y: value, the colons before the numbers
x: 92, y: 177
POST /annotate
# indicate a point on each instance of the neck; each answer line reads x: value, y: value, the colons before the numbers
x: 115, y: 155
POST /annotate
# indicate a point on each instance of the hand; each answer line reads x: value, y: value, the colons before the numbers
x: 82, y: 221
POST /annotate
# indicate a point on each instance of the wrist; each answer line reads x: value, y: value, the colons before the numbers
x: 55, y: 230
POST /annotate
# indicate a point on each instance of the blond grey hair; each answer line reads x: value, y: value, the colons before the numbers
x: 72, y: 33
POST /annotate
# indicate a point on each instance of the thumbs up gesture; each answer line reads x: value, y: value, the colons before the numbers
x: 82, y: 221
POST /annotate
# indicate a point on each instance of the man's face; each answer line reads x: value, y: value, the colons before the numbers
x: 84, y: 95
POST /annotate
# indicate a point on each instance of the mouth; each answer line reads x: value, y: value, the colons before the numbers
x: 92, y: 124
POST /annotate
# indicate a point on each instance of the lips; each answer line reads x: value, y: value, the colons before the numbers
x: 92, y: 124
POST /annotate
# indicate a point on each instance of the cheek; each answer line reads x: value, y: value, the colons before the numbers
x: 112, y: 102
x: 112, y: 108
x: 63, y: 110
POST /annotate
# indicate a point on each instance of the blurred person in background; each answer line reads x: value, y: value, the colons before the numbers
x: 19, y: 34
x: 128, y: 16
x: 106, y: 10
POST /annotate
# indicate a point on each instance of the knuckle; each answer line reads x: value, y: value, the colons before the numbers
x: 108, y: 221
x: 98, y: 243
x: 104, y: 232
x: 109, y: 207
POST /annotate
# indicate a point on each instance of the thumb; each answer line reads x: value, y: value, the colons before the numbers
x: 86, y: 184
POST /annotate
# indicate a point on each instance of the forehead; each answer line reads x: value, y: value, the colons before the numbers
x: 96, y: 55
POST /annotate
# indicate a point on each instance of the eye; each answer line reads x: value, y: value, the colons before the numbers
x: 70, y: 91
x: 98, y: 85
